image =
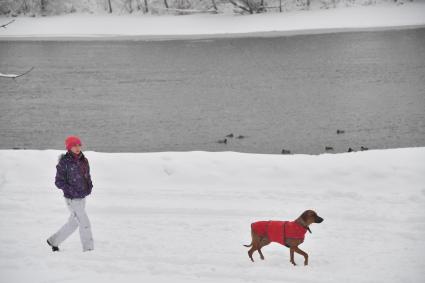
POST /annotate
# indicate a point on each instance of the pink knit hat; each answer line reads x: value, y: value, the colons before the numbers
x: 72, y: 141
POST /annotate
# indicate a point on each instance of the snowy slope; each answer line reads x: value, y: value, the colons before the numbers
x: 183, y: 217
x: 340, y: 19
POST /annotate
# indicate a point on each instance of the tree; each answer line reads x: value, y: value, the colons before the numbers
x: 43, y: 4
x: 146, y: 6
x: 139, y: 6
x: 249, y: 6
x: 108, y: 2
x: 214, y: 4
x: 129, y: 5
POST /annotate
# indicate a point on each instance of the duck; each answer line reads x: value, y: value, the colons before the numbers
x: 222, y: 141
x: 350, y: 149
x: 338, y: 131
x: 363, y: 148
x: 285, y: 151
x: 229, y: 135
x: 329, y: 148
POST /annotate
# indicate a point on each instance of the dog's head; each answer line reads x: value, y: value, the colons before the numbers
x: 310, y: 216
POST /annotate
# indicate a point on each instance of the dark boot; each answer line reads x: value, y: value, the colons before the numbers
x: 55, y: 249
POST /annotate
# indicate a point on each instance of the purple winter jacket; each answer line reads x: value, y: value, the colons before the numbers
x: 73, y: 176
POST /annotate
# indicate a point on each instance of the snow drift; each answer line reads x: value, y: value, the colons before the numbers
x: 183, y: 216
x: 194, y: 26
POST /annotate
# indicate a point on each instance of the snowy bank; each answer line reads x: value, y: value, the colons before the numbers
x: 195, y: 26
x: 183, y: 217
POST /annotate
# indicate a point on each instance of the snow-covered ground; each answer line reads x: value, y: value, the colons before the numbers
x: 317, y: 21
x: 183, y: 217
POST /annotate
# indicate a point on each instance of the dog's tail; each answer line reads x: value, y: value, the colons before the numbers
x: 252, y: 241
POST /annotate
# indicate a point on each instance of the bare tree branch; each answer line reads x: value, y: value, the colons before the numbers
x: 13, y: 76
x: 5, y: 25
x: 240, y: 6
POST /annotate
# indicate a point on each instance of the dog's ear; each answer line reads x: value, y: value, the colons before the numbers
x: 304, y: 216
x: 308, y: 216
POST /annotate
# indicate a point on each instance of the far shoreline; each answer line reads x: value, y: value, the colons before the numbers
x: 260, y: 34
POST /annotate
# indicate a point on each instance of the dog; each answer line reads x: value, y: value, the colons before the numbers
x: 288, y: 233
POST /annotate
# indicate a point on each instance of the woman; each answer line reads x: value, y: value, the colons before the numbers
x: 73, y: 178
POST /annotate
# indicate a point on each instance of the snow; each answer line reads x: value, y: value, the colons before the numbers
x: 183, y: 217
x: 316, y: 21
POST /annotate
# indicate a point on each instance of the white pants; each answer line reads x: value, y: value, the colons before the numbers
x: 77, y: 219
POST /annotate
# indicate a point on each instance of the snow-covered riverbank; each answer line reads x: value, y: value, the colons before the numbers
x: 183, y: 217
x: 200, y: 26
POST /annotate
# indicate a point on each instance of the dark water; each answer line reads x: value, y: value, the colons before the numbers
x: 287, y: 92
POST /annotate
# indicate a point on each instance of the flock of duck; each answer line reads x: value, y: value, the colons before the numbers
x: 286, y: 151
x: 230, y: 136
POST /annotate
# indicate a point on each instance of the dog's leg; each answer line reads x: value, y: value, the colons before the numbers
x: 263, y: 242
x: 291, y: 250
x: 252, y: 249
x: 303, y: 253
x: 255, y: 245
x: 250, y: 252
x: 261, y: 254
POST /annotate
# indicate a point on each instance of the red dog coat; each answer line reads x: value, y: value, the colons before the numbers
x: 279, y: 231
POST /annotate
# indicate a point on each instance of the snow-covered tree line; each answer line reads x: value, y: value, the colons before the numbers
x: 56, y: 7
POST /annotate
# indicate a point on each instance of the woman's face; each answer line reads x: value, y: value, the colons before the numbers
x: 76, y: 149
